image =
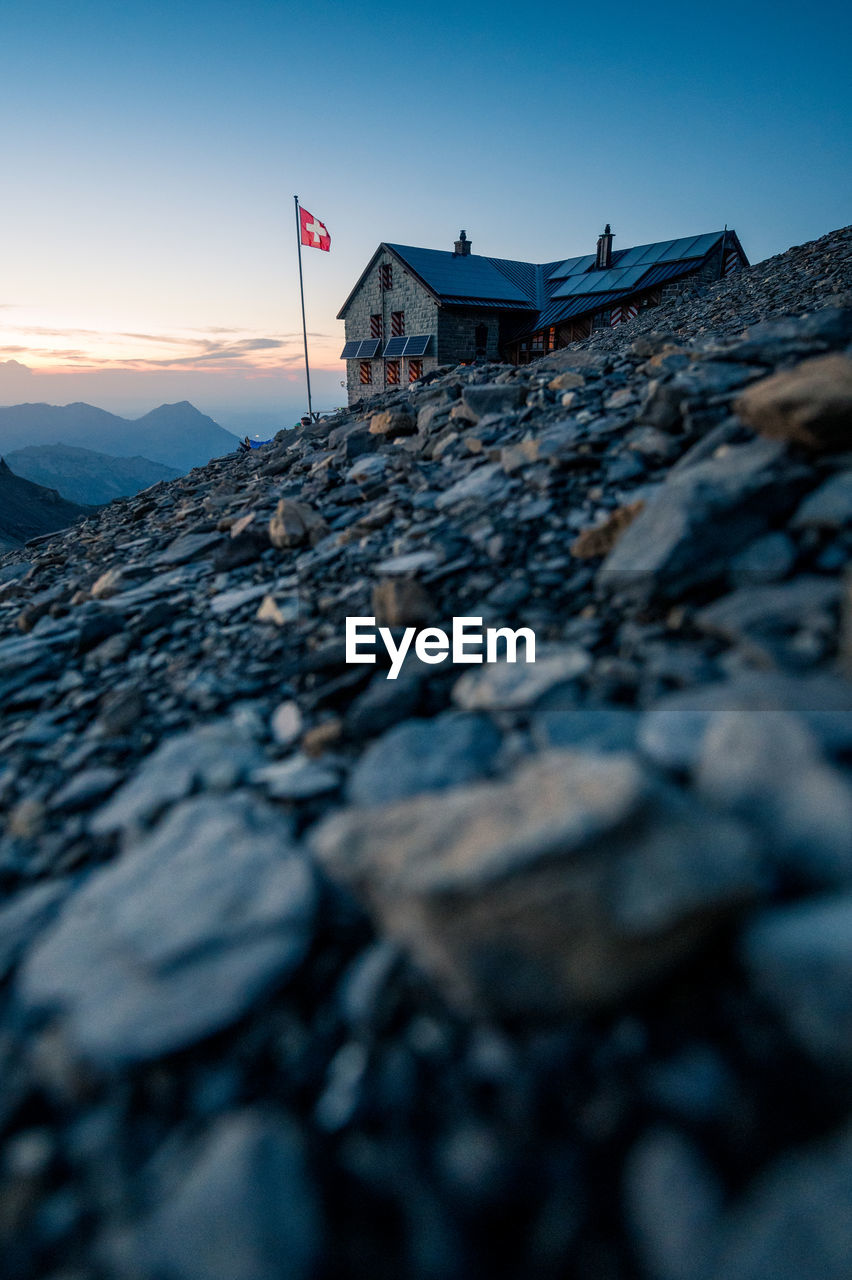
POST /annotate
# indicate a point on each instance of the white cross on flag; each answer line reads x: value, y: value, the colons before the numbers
x: 313, y: 232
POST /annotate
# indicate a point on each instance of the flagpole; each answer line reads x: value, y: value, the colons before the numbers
x: 302, y: 292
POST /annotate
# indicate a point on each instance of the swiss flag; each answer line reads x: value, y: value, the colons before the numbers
x: 313, y: 231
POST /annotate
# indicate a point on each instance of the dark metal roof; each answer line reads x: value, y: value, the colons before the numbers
x: 668, y: 271
x: 555, y: 290
x: 457, y: 275
x: 667, y: 250
x: 600, y: 281
x: 564, y: 308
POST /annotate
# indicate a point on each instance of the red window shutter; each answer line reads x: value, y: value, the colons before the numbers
x: 397, y: 324
x: 415, y: 370
x: 392, y: 370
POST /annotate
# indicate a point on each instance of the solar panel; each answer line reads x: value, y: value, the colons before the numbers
x: 572, y: 266
x: 417, y: 345
x: 368, y: 348
x: 632, y: 257
x: 350, y: 351
x: 601, y: 281
x: 395, y: 347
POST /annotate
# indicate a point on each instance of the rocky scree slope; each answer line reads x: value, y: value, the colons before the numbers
x: 507, y: 971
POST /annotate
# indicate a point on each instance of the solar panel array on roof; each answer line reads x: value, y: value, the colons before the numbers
x: 571, y: 266
x: 669, y: 250
x: 601, y: 281
x: 467, y: 275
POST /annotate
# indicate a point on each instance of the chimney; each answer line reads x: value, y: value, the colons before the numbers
x: 604, y: 255
x: 462, y: 248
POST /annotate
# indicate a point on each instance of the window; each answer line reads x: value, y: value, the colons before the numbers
x: 537, y: 342
x: 480, y: 339
x: 375, y: 326
x: 551, y: 338
x: 392, y: 373
x: 366, y: 372
x: 397, y: 323
x: 415, y: 370
x: 386, y: 275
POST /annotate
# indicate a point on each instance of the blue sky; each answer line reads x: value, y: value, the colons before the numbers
x: 152, y: 150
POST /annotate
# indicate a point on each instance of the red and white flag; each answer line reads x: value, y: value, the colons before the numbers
x: 314, y: 234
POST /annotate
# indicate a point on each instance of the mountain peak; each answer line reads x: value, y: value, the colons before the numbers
x: 175, y: 435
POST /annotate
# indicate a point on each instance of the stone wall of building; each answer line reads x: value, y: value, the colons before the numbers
x: 405, y: 294
x: 457, y: 335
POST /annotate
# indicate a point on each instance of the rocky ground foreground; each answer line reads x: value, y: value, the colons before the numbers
x: 487, y: 971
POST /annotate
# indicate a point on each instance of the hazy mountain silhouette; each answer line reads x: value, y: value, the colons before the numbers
x: 176, y: 435
x: 82, y: 475
x: 28, y: 510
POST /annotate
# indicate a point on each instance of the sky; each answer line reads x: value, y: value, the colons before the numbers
x: 151, y: 151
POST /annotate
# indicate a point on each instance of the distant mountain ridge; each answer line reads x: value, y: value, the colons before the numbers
x: 175, y: 435
x: 28, y: 510
x: 84, y: 476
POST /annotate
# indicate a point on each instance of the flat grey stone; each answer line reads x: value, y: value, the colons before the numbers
x: 229, y: 601
x: 160, y: 584
x: 494, y: 397
x: 244, y: 1209
x: 673, y: 1204
x: 766, y: 766
x: 508, y: 686
x: 215, y: 757
x: 368, y: 467
x: 828, y: 507
x: 298, y: 778
x: 86, y: 788
x: 424, y: 755
x: 412, y: 562
x: 480, y: 485
x: 188, y: 547
x: 286, y: 723
x: 767, y: 559
x: 823, y: 701
x: 691, y: 527
x: 37, y: 654
x: 558, y: 889
x: 763, y: 610
x: 794, y: 1221
x: 599, y: 729
x: 671, y: 736
x: 179, y: 936
x: 25, y: 914
x: 799, y: 958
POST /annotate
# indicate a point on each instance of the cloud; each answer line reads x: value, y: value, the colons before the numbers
x: 14, y: 366
x: 214, y: 349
